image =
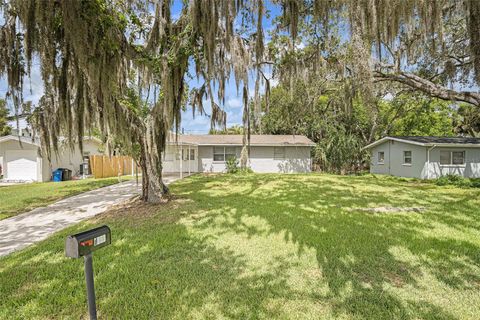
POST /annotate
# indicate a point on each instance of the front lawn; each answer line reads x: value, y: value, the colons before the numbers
x: 20, y: 198
x: 267, y: 247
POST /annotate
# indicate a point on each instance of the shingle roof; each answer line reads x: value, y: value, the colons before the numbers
x: 259, y: 140
x: 454, y: 140
x: 430, y: 141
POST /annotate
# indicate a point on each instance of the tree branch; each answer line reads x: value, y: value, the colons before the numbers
x: 429, y: 87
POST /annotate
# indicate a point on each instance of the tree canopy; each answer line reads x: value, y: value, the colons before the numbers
x: 5, y: 129
x: 122, y: 66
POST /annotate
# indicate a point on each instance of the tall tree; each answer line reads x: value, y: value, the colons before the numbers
x: 427, y: 46
x: 5, y: 129
x: 468, y: 121
x: 92, y: 53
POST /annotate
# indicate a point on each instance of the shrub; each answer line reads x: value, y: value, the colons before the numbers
x: 475, y: 183
x: 456, y: 180
x: 232, y: 165
x: 246, y: 170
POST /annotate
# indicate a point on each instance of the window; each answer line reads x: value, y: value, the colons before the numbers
x: 452, y: 157
x: 186, y: 155
x: 445, y: 157
x: 223, y: 153
x: 230, y: 152
x: 407, y: 157
x: 458, y: 157
x: 279, y: 153
x: 381, y: 157
x: 218, y: 154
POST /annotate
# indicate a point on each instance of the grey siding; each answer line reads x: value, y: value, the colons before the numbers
x: 422, y: 166
x: 394, y: 163
x: 471, y: 168
x: 377, y: 167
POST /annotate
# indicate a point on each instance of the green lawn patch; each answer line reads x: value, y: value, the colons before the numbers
x: 267, y: 247
x: 21, y: 198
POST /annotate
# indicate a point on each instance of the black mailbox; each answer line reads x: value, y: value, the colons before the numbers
x: 84, y: 243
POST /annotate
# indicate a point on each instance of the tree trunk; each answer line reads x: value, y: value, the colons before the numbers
x: 152, y: 147
x: 155, y: 188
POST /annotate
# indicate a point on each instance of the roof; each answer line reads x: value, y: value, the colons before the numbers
x: 255, y: 140
x: 28, y: 140
x: 36, y: 141
x: 429, y: 141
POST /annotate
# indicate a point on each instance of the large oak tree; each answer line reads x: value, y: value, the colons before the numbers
x: 120, y: 66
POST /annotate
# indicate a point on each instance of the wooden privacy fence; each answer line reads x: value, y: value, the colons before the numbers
x: 105, y: 166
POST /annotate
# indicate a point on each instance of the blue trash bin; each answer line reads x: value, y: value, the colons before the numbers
x: 57, y: 175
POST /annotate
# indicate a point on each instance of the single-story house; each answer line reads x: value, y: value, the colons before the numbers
x: 21, y: 158
x: 268, y: 153
x: 426, y: 157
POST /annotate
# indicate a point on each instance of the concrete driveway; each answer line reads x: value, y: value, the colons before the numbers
x: 27, y: 228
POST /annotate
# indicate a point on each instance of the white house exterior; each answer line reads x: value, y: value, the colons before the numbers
x: 268, y: 153
x: 21, y: 158
x: 426, y: 157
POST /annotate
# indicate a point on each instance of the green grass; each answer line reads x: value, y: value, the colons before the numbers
x: 16, y: 199
x: 267, y: 247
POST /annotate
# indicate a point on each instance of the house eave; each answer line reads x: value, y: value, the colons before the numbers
x: 239, y: 144
x: 453, y: 145
x: 447, y: 145
x: 21, y: 139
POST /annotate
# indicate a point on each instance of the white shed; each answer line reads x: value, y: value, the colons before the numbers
x: 426, y: 157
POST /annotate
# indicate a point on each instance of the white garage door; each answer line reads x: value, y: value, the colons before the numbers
x: 21, y: 165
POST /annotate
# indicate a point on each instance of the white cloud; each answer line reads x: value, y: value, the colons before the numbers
x: 234, y: 103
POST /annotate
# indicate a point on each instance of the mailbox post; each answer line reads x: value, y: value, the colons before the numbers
x: 83, y: 244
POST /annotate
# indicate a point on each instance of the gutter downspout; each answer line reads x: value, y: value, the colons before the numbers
x: 389, y: 159
x: 428, y: 160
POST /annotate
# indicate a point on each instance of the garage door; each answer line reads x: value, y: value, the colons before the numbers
x: 21, y: 165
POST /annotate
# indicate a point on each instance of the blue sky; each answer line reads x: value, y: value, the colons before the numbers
x: 198, y: 124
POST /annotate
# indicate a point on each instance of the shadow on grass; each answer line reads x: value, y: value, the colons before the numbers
x: 355, y: 251
x: 152, y: 270
x: 173, y: 262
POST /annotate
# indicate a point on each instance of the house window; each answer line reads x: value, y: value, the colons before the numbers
x: 458, y: 157
x: 445, y: 157
x: 381, y: 157
x: 230, y: 152
x: 452, y: 157
x: 223, y: 153
x: 407, y: 157
x: 186, y: 155
x: 218, y: 154
x: 279, y: 153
